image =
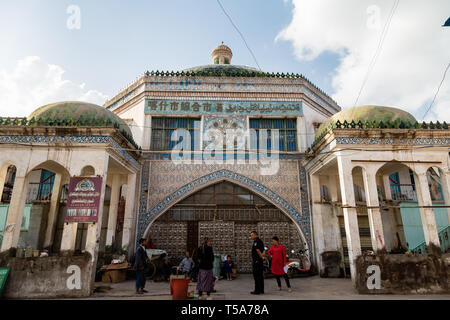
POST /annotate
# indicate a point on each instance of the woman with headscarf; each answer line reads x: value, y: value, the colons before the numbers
x: 205, y: 274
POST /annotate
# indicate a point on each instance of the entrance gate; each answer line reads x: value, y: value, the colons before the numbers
x: 226, y: 213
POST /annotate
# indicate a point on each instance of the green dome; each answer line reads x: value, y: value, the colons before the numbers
x: 77, y: 110
x: 367, y: 113
x: 225, y: 69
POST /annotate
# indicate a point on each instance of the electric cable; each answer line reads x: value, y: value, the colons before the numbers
x: 240, y: 33
x: 437, y: 91
x: 378, y: 50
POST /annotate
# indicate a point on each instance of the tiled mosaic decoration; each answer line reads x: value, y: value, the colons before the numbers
x: 170, y: 183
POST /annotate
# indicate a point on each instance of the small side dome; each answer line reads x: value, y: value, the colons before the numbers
x: 367, y: 113
x: 77, y: 110
x: 222, y: 54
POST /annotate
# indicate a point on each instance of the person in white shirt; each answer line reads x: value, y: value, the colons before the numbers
x: 186, y: 264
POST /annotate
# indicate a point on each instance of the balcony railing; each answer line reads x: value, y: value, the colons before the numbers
x: 41, y: 191
x: 444, y: 235
x: 403, y: 193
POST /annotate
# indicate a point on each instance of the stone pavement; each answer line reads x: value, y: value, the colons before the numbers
x: 309, y: 288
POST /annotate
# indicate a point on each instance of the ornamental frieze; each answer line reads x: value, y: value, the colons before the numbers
x: 223, y: 107
x: 166, y: 177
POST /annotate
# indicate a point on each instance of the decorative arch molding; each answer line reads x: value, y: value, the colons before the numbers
x: 302, y: 221
x: 6, y: 164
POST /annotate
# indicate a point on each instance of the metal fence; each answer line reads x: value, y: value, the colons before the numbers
x: 444, y: 240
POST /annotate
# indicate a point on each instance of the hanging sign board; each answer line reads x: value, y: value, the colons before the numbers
x: 83, y: 200
x: 3, y: 276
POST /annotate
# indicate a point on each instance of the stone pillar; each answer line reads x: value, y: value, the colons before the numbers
x: 332, y: 188
x: 302, y: 139
x: 15, y: 213
x: 128, y: 223
x: 373, y: 210
x: 426, y: 214
x: 317, y: 219
x: 405, y: 178
x: 53, y: 211
x: 3, y: 172
x: 388, y: 219
x: 69, y: 236
x: 387, y: 187
x: 349, y: 210
x: 147, y: 132
x: 113, y: 207
x: 199, y: 145
x: 445, y: 185
x: 94, y: 229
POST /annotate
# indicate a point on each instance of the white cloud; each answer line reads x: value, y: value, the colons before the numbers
x: 33, y: 83
x: 415, y: 53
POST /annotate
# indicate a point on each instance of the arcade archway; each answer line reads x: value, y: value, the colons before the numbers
x: 227, y: 213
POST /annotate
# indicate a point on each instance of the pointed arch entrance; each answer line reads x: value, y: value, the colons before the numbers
x: 223, y: 204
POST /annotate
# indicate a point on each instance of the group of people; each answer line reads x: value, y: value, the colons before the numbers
x: 202, y: 271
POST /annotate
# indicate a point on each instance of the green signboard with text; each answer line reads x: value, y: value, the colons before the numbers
x: 223, y: 107
x: 3, y: 276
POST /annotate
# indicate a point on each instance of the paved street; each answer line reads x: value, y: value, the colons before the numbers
x: 311, y: 288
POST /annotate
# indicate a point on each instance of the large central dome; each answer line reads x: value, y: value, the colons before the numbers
x: 226, y: 69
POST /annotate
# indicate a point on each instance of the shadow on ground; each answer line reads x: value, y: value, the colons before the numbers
x: 310, y: 288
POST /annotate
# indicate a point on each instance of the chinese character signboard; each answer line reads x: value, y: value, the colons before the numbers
x: 223, y: 107
x: 83, y: 201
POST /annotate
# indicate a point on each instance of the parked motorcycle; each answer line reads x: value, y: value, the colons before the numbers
x: 299, y: 264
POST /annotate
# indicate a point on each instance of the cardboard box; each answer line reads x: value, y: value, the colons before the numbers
x: 115, y: 272
x: 114, y: 276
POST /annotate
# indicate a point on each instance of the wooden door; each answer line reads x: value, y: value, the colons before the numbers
x: 192, y: 236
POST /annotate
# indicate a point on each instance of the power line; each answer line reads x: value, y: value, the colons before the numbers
x: 240, y: 33
x: 378, y: 50
x: 437, y: 91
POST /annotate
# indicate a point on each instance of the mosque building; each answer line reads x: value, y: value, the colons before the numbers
x: 218, y: 151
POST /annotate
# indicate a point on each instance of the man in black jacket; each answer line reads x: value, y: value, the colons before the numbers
x: 140, y: 264
x: 257, y: 266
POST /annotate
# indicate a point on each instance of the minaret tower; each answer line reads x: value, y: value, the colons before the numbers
x: 221, y: 54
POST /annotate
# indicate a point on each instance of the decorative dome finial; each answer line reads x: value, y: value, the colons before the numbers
x: 222, y: 54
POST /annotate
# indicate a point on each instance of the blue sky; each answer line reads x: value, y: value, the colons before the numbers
x: 118, y: 40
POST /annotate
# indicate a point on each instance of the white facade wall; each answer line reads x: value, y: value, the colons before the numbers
x: 311, y: 116
x: 134, y: 115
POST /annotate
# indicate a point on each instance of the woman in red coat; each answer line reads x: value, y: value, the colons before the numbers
x: 278, y: 254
